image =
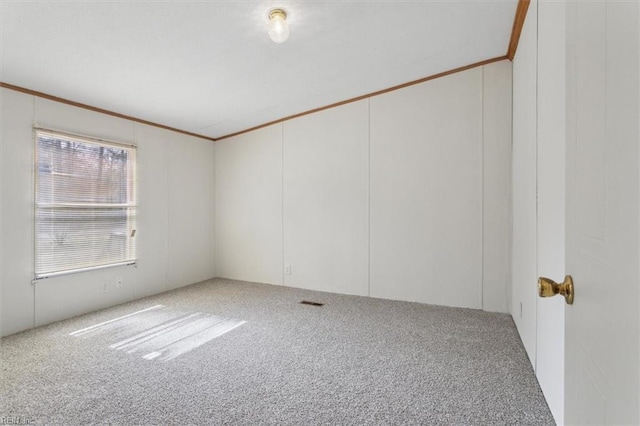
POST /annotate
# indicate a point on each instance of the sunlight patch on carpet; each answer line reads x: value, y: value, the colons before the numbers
x: 160, y: 333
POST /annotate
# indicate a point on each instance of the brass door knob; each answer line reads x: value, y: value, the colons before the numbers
x: 548, y: 288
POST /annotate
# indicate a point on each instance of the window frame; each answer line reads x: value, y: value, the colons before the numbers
x: 130, y: 205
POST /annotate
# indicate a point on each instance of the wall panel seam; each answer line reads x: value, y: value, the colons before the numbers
x: 482, y: 167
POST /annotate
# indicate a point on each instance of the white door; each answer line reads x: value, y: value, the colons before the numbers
x: 602, y: 326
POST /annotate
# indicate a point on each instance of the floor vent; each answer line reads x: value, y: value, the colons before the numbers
x: 306, y: 302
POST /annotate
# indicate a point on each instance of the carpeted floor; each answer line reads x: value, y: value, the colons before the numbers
x: 229, y: 352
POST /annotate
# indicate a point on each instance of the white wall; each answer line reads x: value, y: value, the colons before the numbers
x: 551, y: 170
x: 326, y: 200
x: 17, y: 212
x: 398, y: 196
x: 1, y: 208
x: 524, y: 237
x: 175, y: 221
x: 299, y: 193
x: 496, y: 248
x: 539, y: 134
x: 426, y: 192
x: 191, y: 207
x: 249, y: 206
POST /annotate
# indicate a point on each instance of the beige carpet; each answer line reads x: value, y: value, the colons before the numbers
x: 229, y: 352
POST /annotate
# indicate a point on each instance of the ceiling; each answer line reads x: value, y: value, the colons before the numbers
x: 209, y: 67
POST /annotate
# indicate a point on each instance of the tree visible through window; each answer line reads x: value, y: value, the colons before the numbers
x: 85, y: 204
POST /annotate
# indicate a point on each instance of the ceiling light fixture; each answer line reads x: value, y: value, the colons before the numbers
x: 278, y: 28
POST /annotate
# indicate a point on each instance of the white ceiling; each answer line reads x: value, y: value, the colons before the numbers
x: 209, y: 67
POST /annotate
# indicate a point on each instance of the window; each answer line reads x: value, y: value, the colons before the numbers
x: 85, y: 204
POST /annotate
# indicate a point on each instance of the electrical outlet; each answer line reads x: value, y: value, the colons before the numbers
x: 287, y: 269
x: 119, y: 282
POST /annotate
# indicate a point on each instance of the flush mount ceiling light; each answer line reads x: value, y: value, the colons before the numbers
x: 278, y: 28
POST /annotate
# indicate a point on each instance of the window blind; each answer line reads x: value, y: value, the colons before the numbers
x: 86, y: 204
